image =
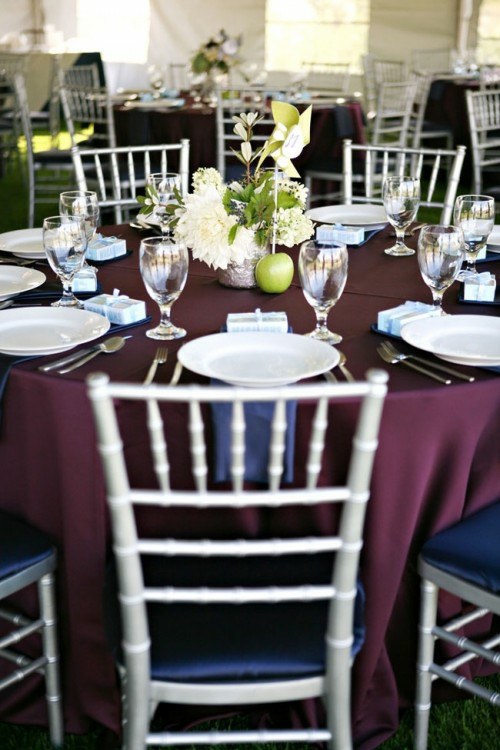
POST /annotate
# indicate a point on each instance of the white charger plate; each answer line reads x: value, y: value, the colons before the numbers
x: 355, y: 215
x: 463, y: 339
x: 258, y: 359
x: 16, y: 279
x: 24, y: 243
x: 48, y: 330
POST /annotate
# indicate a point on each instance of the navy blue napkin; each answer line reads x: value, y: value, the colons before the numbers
x: 6, y: 362
x: 258, y: 420
x: 369, y: 234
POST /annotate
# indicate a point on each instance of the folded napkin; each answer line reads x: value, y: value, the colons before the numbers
x: 49, y: 291
x: 258, y: 420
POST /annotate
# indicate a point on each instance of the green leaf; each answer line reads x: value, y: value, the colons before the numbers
x: 232, y: 233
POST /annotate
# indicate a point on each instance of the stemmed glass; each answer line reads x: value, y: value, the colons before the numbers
x: 84, y: 203
x: 164, y: 183
x: 401, y: 197
x: 475, y: 214
x: 164, y: 266
x: 323, y: 274
x: 440, y: 254
x: 65, y: 242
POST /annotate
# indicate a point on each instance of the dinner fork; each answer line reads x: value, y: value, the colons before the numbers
x: 436, y: 365
x: 159, y: 359
x: 387, y: 357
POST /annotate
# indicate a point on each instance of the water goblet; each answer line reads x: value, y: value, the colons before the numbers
x: 401, y: 197
x: 475, y: 214
x: 323, y: 274
x: 440, y: 254
x: 164, y: 184
x: 65, y: 242
x: 83, y: 203
x: 164, y: 265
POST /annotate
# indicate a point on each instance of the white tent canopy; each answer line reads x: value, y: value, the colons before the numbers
x: 177, y: 28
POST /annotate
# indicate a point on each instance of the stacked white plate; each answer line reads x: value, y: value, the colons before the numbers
x: 367, y: 215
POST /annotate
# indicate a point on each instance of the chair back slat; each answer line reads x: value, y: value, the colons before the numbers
x: 383, y: 161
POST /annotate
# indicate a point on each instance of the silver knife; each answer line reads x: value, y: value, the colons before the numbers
x: 66, y: 360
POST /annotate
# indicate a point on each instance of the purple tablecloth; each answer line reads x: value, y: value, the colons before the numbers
x: 438, y: 461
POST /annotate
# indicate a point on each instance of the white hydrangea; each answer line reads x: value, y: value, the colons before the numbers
x: 297, y: 189
x: 292, y: 226
x: 205, y: 177
x: 204, y: 226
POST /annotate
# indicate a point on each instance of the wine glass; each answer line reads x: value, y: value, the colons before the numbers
x: 401, y: 197
x: 65, y: 242
x: 164, y: 266
x: 440, y: 254
x: 83, y: 203
x: 475, y: 214
x: 164, y: 183
x: 323, y: 274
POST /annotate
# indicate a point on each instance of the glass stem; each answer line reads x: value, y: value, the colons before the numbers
x: 165, y: 311
x: 321, y: 319
x: 400, y: 237
x: 437, y: 299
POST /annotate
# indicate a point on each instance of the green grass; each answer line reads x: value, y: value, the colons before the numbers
x: 459, y: 725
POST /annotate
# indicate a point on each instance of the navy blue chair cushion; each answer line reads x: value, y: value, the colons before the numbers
x: 469, y: 549
x: 236, y: 642
x: 21, y: 546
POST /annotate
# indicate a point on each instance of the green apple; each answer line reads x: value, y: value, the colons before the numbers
x: 274, y: 272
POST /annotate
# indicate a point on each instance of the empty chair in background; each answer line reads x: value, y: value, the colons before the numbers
x: 119, y: 174
x: 196, y: 609
x: 375, y: 73
x: 483, y: 110
x: 395, y: 104
x: 422, y: 129
x: 27, y: 557
x: 366, y: 166
x: 462, y: 561
x: 328, y: 78
x: 231, y: 103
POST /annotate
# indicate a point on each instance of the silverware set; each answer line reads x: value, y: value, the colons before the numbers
x: 331, y: 377
x: 159, y: 359
x: 390, y: 354
x: 82, y: 356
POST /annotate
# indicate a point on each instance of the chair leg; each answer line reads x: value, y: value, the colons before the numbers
x: 339, y: 696
x: 428, y: 612
x: 46, y: 593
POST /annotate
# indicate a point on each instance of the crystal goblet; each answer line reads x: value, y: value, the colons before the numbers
x: 164, y: 265
x: 83, y: 203
x: 475, y: 214
x: 165, y: 184
x: 65, y: 242
x: 323, y: 274
x: 401, y: 197
x: 440, y: 254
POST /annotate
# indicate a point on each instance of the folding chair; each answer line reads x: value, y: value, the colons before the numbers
x: 483, y: 110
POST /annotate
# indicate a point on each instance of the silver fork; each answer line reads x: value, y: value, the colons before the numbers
x: 435, y: 365
x: 387, y: 357
x: 159, y: 359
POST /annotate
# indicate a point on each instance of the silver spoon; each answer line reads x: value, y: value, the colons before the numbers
x: 109, y: 346
x: 343, y: 369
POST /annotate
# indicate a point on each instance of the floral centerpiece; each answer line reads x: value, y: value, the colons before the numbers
x: 220, y: 53
x: 230, y: 227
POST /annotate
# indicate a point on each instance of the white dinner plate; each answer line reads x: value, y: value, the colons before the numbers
x: 47, y: 330
x: 463, y: 339
x: 17, y: 279
x: 258, y: 359
x: 493, y: 243
x: 355, y: 215
x: 24, y: 243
